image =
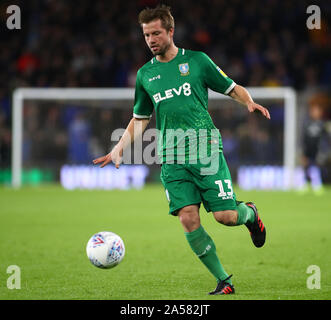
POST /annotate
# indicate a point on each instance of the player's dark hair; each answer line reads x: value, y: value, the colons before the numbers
x: 161, y: 12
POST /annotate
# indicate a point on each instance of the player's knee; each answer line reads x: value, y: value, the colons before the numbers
x: 189, y: 218
x: 226, y: 217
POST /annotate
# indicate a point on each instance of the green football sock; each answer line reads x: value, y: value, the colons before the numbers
x: 203, y: 246
x: 245, y: 214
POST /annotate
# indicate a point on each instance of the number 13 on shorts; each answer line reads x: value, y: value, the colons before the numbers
x: 222, y: 193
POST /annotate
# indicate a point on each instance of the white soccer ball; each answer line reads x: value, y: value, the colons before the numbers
x: 105, y: 249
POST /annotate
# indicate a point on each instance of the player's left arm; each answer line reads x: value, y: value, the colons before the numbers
x: 241, y: 95
x: 217, y: 80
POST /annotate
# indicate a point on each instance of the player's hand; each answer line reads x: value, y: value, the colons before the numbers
x: 114, y: 156
x: 252, y: 106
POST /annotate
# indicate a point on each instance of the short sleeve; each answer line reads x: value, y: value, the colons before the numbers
x: 143, y: 105
x: 214, y: 77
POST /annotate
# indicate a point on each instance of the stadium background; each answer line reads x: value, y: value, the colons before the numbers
x: 100, y: 44
x: 44, y: 229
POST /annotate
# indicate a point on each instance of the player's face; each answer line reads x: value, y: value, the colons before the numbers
x: 316, y: 112
x: 157, y: 38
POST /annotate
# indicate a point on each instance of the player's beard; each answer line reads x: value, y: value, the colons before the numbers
x: 162, y: 50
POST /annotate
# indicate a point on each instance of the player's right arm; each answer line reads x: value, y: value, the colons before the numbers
x: 142, y: 112
x: 134, y: 129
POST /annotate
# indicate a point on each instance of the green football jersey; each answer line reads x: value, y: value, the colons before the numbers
x: 178, y: 92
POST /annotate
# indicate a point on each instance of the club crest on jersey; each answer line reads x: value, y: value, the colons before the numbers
x: 184, y: 69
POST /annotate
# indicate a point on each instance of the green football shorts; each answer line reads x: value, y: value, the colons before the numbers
x: 209, y: 183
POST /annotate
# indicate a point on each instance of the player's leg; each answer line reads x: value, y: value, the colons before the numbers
x: 200, y: 242
x: 306, y: 176
x: 241, y: 215
x: 189, y: 218
x: 226, y: 217
x: 204, y: 247
x: 218, y: 196
x: 315, y: 176
x: 184, y: 201
x: 246, y: 214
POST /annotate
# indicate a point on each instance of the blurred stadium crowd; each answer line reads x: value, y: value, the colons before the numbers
x: 100, y: 44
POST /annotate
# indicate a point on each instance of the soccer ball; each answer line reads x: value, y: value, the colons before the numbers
x: 105, y: 249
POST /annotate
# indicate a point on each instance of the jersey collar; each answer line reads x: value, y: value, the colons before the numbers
x: 180, y: 52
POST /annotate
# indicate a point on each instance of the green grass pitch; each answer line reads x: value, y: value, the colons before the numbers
x: 44, y: 231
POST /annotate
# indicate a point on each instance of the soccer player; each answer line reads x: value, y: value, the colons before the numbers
x: 315, y: 137
x: 174, y: 83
